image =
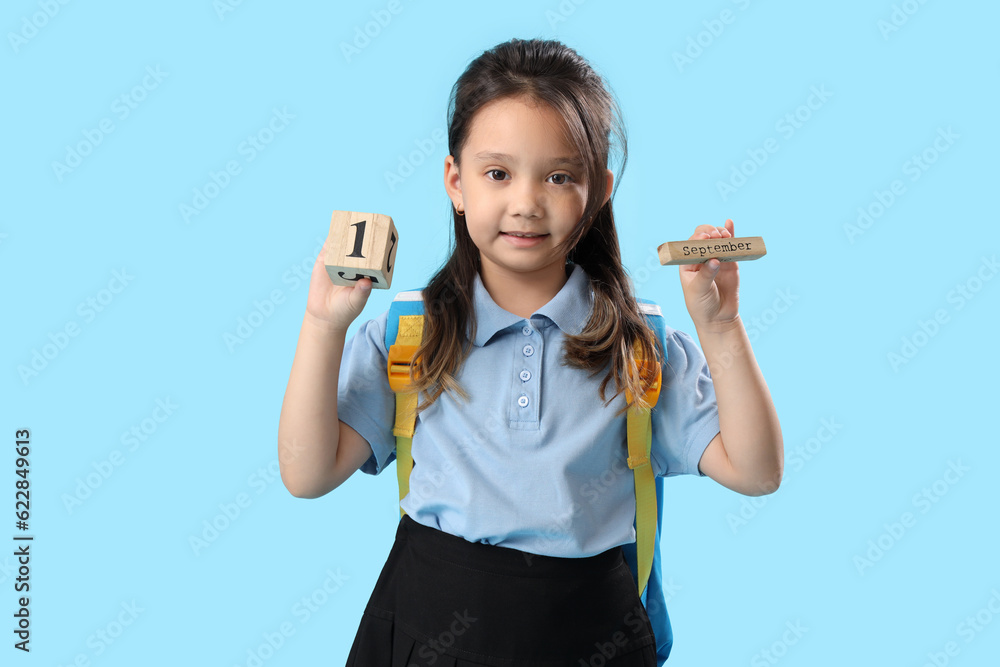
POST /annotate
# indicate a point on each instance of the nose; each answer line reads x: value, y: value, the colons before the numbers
x: 527, y: 199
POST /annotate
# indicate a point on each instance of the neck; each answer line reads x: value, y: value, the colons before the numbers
x: 523, y: 293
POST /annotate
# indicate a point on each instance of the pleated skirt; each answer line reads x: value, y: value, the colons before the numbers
x: 442, y: 601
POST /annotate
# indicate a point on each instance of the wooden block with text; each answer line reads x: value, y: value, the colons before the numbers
x: 362, y: 245
x: 739, y: 249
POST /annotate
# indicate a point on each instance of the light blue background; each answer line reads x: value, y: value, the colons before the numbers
x: 849, y: 302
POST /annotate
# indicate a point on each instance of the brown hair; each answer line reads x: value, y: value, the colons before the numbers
x: 548, y: 72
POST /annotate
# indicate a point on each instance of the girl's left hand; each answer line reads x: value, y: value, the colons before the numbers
x: 711, y: 289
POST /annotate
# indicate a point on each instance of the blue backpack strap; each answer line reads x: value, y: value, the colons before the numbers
x: 408, y: 302
x: 404, y: 325
x: 652, y: 596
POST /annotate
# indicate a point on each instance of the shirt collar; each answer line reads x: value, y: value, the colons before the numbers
x: 569, y: 309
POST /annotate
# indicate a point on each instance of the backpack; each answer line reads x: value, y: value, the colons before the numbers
x: 403, y: 332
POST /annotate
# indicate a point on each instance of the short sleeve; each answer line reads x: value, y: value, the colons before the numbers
x: 686, y: 416
x: 365, y: 402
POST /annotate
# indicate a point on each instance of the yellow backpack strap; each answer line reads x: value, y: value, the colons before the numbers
x: 401, y: 357
x: 640, y: 439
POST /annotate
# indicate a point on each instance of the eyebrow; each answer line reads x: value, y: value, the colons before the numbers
x: 491, y: 156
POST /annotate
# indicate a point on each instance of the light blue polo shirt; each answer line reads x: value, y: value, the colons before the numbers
x: 534, y: 461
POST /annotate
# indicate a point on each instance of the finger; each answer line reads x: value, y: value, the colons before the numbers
x: 701, y: 231
x: 360, y: 292
x: 708, y: 270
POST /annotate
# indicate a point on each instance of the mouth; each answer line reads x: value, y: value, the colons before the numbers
x: 523, y: 240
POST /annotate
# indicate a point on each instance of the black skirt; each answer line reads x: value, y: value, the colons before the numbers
x: 442, y: 601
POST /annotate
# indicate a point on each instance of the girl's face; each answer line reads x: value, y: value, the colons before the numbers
x: 520, y: 174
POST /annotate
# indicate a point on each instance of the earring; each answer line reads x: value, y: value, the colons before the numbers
x: 459, y: 211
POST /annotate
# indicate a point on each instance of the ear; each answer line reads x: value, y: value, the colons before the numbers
x: 452, y: 181
x: 610, y: 178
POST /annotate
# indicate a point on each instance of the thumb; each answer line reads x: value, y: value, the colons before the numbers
x: 359, y: 293
x: 708, y: 271
x: 364, y: 288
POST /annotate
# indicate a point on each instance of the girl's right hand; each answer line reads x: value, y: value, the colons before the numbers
x: 334, y: 306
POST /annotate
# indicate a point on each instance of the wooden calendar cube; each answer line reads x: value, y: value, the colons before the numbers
x: 699, y: 251
x: 362, y: 245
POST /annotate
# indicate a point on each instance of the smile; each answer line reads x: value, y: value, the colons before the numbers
x: 523, y: 240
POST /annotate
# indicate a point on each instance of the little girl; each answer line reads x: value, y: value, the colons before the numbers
x: 510, y: 549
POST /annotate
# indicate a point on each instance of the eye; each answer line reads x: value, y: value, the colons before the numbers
x: 567, y: 178
x: 495, y: 171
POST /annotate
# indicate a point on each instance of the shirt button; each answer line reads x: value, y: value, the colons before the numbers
x: 526, y: 330
x: 528, y: 350
x: 523, y: 401
x: 525, y: 375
